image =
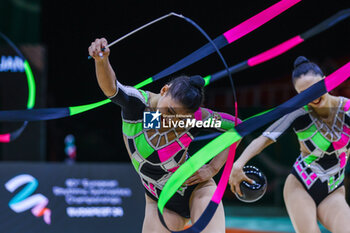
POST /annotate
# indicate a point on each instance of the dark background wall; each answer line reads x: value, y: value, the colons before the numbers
x: 20, y: 20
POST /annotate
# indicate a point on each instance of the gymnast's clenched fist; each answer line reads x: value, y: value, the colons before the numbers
x: 98, y: 49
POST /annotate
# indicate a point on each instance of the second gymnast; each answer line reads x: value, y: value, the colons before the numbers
x: 314, y: 190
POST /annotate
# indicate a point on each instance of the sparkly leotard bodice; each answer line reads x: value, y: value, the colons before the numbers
x: 325, y: 148
x: 156, y: 154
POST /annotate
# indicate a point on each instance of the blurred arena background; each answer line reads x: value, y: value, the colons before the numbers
x: 70, y: 172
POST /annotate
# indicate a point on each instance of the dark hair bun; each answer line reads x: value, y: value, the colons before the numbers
x: 300, y: 60
x: 197, y: 81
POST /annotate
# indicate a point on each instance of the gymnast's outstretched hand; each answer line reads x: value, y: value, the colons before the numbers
x: 236, y: 177
x: 104, y: 72
x: 98, y: 49
x: 237, y: 174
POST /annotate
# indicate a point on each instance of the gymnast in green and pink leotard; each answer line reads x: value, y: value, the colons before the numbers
x: 314, y: 190
x: 156, y: 153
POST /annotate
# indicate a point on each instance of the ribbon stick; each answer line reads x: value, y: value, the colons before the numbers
x: 136, y: 30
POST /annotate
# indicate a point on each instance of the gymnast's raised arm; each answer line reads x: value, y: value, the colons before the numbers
x: 104, y: 72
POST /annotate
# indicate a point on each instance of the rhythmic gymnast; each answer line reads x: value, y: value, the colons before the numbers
x: 314, y: 189
x: 157, y: 153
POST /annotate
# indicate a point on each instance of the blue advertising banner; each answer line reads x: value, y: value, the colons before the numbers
x: 56, y: 198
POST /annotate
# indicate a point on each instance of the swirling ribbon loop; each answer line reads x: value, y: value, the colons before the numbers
x: 9, y: 137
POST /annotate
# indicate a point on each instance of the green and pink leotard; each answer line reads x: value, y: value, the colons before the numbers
x: 157, y: 154
x: 321, y: 169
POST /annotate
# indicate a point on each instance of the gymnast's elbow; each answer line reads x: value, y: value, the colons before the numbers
x: 262, y: 142
x: 110, y: 91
